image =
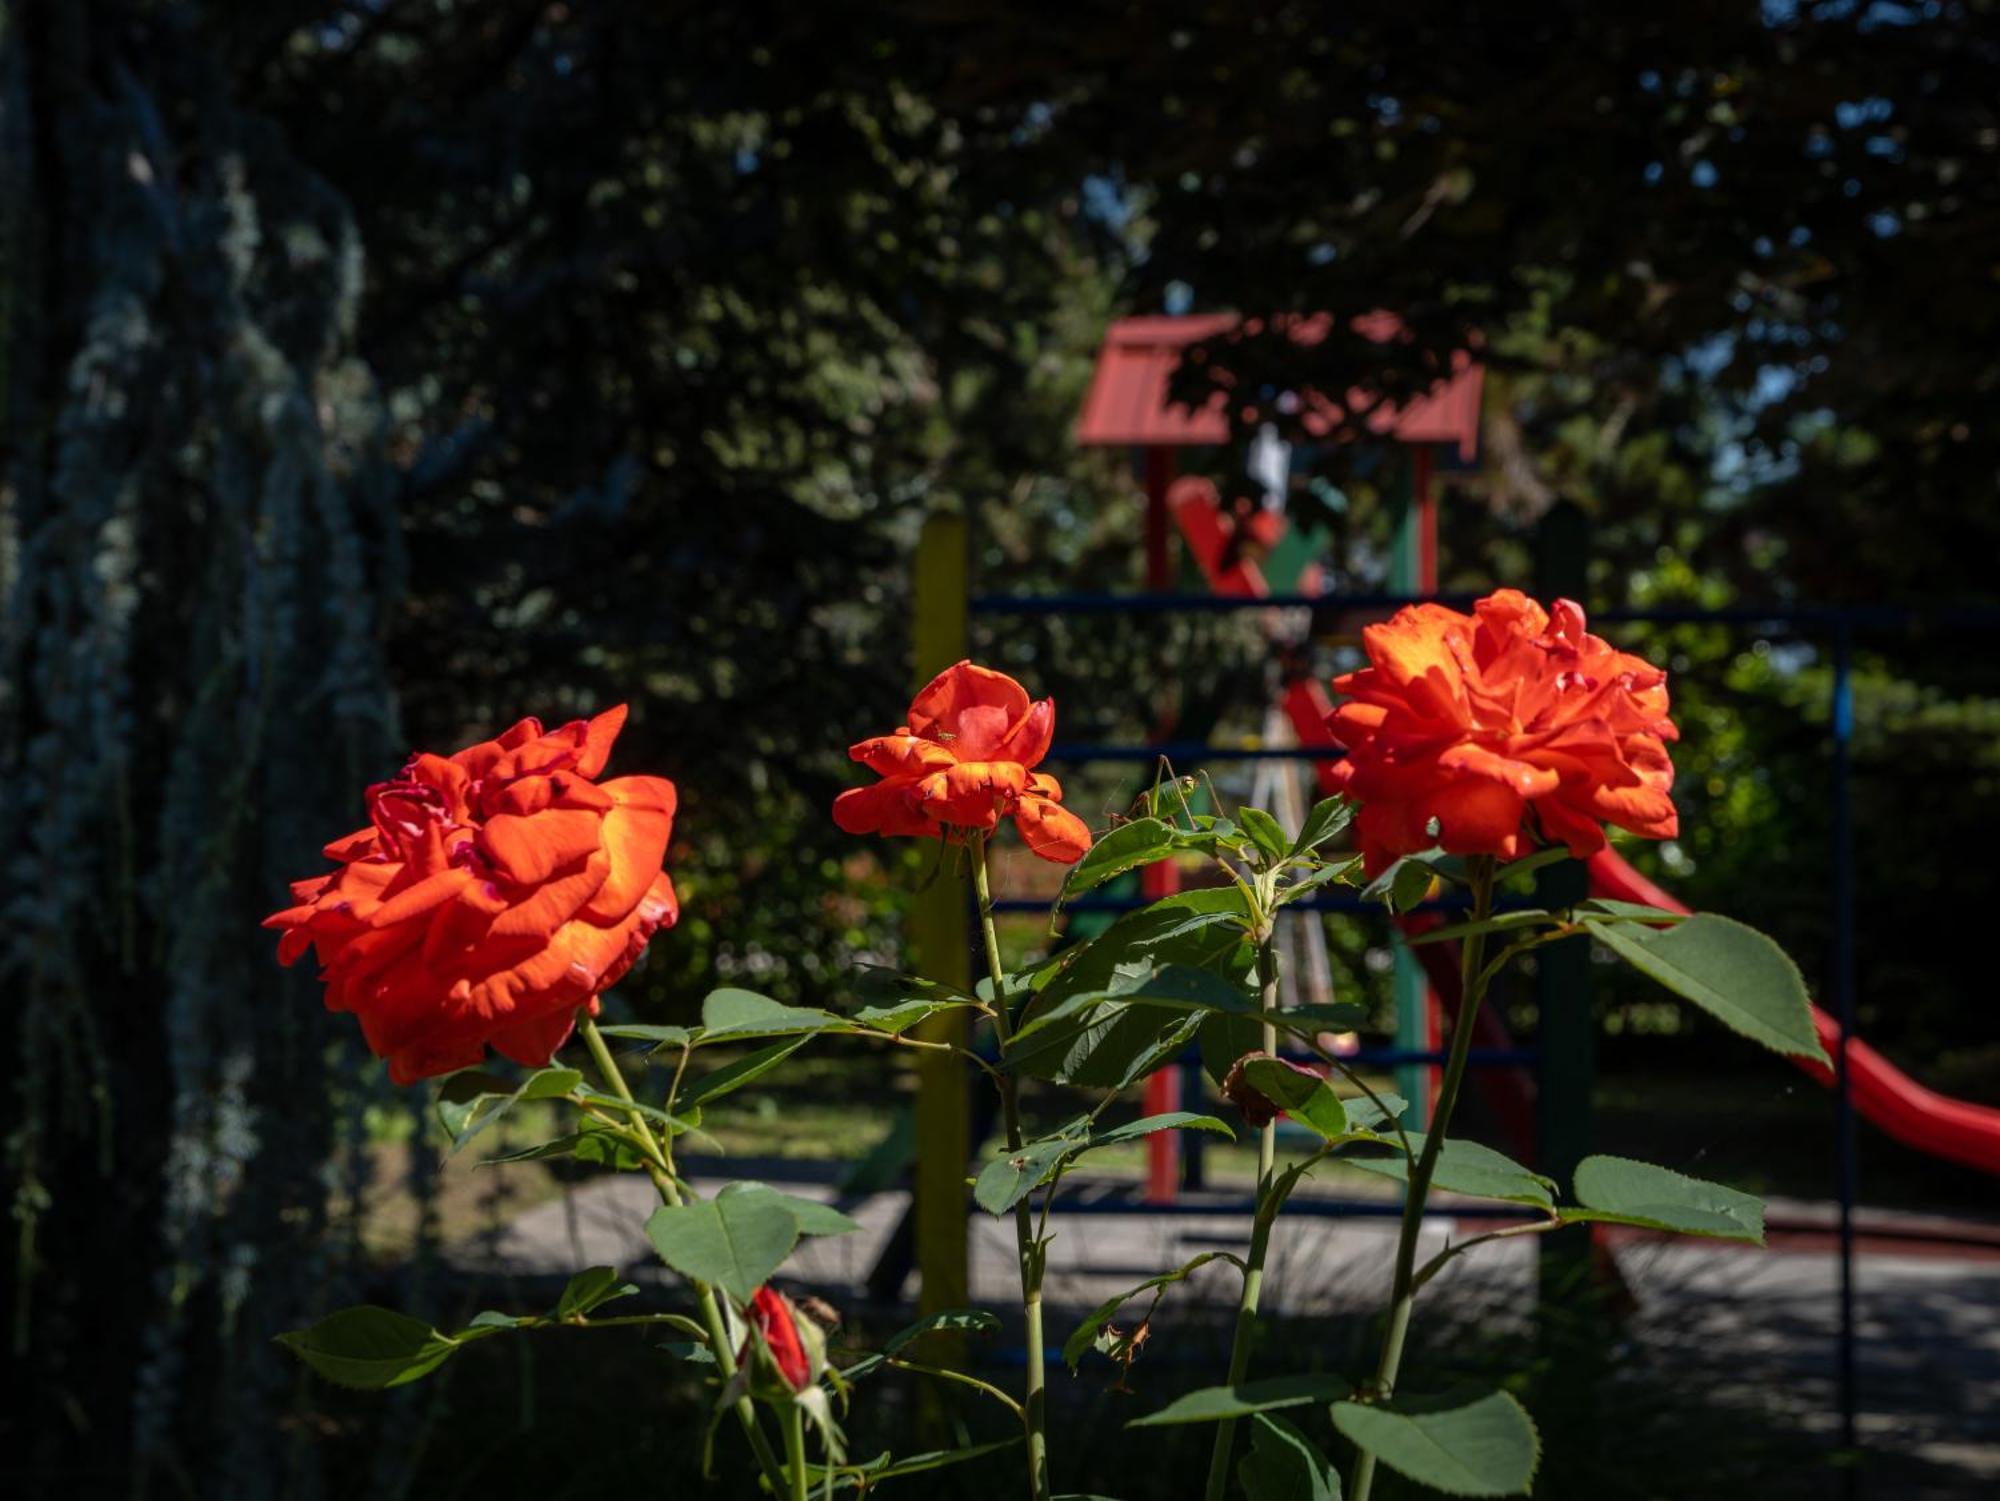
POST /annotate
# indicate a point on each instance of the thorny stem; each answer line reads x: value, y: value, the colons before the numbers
x: 795, y: 1450
x: 1402, y: 1296
x: 659, y: 1165
x: 1034, y: 1398
x: 1269, y: 1200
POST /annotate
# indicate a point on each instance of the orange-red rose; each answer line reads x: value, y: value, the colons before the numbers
x: 1478, y: 732
x: 965, y: 758
x: 494, y: 893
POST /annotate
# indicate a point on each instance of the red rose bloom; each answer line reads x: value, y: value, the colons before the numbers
x: 1464, y: 725
x: 966, y: 757
x: 494, y: 893
x: 778, y: 1322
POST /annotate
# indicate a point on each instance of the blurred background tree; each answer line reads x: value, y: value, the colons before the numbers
x: 379, y: 370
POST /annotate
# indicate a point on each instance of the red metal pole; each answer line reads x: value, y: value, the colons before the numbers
x: 1424, y: 497
x: 1163, y: 1089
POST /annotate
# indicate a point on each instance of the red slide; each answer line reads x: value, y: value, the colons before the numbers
x: 1884, y: 1094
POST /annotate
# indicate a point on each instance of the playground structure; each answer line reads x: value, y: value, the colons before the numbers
x: 1539, y: 1095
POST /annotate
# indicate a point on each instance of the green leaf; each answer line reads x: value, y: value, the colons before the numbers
x: 678, y: 1125
x: 733, y: 1241
x: 1178, y: 987
x: 1329, y: 816
x: 692, y: 1351
x: 1403, y: 885
x: 1008, y: 1179
x: 1466, y: 1167
x: 1364, y: 1115
x: 975, y: 1320
x: 1499, y: 922
x: 1616, y: 911
x: 370, y: 1348
x: 1269, y: 834
x: 1342, y: 872
x: 1085, y: 1333
x: 744, y: 1013
x: 592, y: 1142
x: 1731, y: 971
x: 1223, y: 1038
x: 896, y: 1019
x: 1127, y: 847
x: 490, y: 1321
x: 1619, y: 1191
x: 1308, y: 1100
x: 1284, y: 1465
x: 885, y: 1467
x: 1212, y: 837
x: 1528, y: 864
x: 1172, y: 1120
x: 1484, y: 1448
x: 473, y: 1099
x: 811, y: 1216
x: 735, y: 1075
x: 591, y: 1289
x: 1211, y: 1404
x: 660, y: 1037
x: 879, y: 985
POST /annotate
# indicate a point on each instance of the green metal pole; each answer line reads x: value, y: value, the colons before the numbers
x: 940, y: 943
x: 1571, y: 1309
x: 1408, y: 983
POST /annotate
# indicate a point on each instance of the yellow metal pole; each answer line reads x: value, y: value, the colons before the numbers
x: 941, y: 948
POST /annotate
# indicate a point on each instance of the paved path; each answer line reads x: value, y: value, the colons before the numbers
x: 1759, y: 1325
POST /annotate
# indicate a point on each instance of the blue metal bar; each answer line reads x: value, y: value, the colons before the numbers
x: 1326, y: 902
x: 1190, y: 751
x: 1852, y: 616
x: 1246, y: 1207
x: 1096, y: 603
x: 1843, y: 990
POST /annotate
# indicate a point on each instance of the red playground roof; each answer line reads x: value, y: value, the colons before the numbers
x: 1128, y: 405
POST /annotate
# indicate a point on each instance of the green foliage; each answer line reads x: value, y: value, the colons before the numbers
x: 590, y: 1290
x: 370, y: 1348
x: 734, y: 1241
x: 951, y: 1320
x: 1466, y: 1167
x: 1212, y: 1404
x: 1010, y: 1178
x: 733, y: 1076
x: 1623, y: 1192
x: 1284, y: 1465
x: 1483, y: 1448
x: 1731, y: 971
x: 470, y: 1101
x: 1309, y: 1101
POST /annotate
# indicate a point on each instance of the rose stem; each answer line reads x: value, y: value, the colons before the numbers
x: 663, y: 1180
x: 1034, y: 1404
x: 1269, y: 1201
x: 1472, y: 990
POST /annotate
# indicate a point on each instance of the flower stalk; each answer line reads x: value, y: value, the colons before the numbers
x: 1034, y: 1415
x: 659, y: 1165
x: 1403, y: 1292
x: 795, y: 1450
x: 1269, y: 1200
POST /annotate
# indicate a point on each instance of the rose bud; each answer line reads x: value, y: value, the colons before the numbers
x: 796, y: 1347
